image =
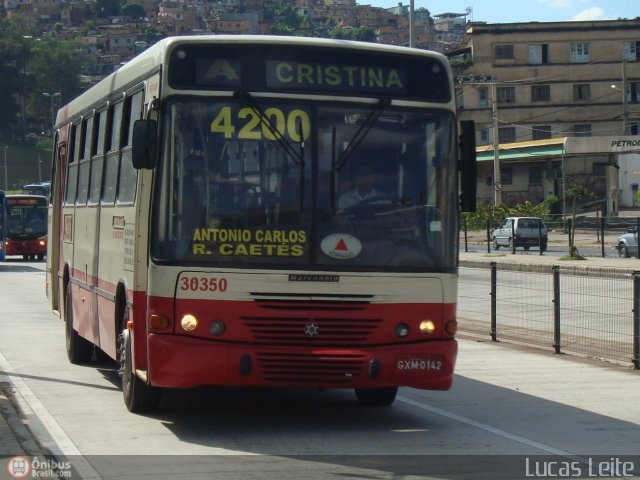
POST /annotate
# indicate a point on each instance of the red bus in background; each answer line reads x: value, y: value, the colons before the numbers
x: 27, y: 226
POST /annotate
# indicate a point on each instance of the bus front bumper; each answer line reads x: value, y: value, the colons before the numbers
x: 183, y: 362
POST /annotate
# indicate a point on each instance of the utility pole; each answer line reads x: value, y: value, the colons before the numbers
x: 497, y: 185
x: 487, y: 80
x: 624, y: 98
x: 5, y: 168
x: 51, y: 96
x: 411, y: 24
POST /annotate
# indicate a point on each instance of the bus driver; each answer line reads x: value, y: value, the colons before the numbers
x: 364, y: 189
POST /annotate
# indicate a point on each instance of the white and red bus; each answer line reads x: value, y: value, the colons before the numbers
x: 198, y: 234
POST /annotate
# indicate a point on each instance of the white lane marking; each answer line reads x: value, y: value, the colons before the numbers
x: 33, y: 408
x: 489, y: 428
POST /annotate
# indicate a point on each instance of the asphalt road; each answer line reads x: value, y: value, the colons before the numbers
x: 510, y: 410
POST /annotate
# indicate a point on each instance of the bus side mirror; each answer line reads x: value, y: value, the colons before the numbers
x: 467, y: 166
x: 144, y: 143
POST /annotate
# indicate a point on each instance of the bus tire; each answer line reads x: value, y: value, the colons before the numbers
x: 138, y: 396
x: 376, y: 397
x: 79, y: 350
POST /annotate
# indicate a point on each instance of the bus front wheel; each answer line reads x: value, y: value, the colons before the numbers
x: 79, y: 350
x: 376, y: 397
x: 138, y: 396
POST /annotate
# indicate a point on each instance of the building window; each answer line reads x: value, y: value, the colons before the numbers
x: 459, y: 98
x: 507, y: 134
x: 600, y: 169
x: 539, y: 54
x: 633, y: 92
x: 540, y: 93
x: 631, y: 51
x: 535, y: 175
x: 506, y: 176
x: 506, y: 94
x: 484, y: 136
x: 581, y: 92
x: 483, y: 97
x: 503, y: 52
x: 541, y: 132
x: 582, y: 130
x: 580, y: 53
x: 633, y: 129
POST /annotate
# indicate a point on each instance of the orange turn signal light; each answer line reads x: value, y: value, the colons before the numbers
x: 158, y: 322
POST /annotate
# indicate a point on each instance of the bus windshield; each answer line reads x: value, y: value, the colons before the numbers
x: 26, y: 217
x: 243, y: 182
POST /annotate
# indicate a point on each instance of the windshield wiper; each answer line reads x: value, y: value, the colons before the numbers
x: 363, y: 131
x: 247, y: 100
x: 298, y: 157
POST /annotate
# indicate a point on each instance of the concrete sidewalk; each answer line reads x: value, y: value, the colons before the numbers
x: 477, y: 243
x: 15, y: 436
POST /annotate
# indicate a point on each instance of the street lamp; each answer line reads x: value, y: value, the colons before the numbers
x: 53, y: 117
x: 5, y: 168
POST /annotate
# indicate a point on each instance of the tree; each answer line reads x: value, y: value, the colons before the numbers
x: 575, y: 192
x: 55, y: 67
x: 16, y: 39
x: 107, y: 8
x: 133, y: 10
x: 362, y: 34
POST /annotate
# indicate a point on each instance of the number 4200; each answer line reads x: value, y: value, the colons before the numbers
x: 250, y: 125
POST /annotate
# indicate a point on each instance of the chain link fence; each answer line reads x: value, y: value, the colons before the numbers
x: 591, y: 311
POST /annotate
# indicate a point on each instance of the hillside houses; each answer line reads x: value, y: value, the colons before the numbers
x: 117, y: 38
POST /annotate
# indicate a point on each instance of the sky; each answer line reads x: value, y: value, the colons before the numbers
x: 507, y: 11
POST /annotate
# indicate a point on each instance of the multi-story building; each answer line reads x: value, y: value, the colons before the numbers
x: 524, y: 82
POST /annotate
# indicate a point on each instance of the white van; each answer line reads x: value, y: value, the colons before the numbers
x: 524, y: 231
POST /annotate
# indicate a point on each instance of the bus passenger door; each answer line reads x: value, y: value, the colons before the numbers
x: 55, y: 234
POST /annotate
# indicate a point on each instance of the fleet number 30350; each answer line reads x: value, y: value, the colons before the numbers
x: 203, y: 284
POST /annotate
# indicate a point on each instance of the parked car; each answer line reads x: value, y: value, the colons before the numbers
x: 627, y: 243
x: 525, y: 232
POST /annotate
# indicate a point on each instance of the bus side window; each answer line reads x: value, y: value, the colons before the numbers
x: 72, y: 170
x: 114, y: 123
x: 129, y: 175
x: 97, y: 157
x: 85, y: 162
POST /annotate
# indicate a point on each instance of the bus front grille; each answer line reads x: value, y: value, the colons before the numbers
x: 311, y: 330
x: 312, y: 368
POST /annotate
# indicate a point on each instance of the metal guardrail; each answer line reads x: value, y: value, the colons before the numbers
x: 588, y: 311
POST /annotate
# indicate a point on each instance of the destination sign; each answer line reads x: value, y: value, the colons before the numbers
x: 319, y: 69
x: 311, y: 76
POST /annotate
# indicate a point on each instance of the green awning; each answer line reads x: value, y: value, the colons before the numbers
x: 528, y: 150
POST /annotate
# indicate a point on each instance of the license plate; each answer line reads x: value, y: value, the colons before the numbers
x: 410, y: 364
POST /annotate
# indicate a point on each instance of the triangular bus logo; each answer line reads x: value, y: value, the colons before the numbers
x: 341, y: 246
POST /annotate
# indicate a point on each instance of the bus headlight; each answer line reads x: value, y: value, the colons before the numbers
x: 427, y: 327
x: 189, y: 323
x: 217, y: 328
x: 451, y: 327
x: 402, y: 330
